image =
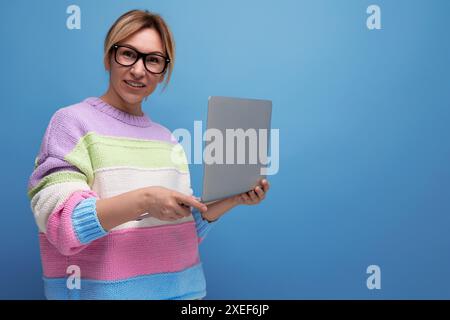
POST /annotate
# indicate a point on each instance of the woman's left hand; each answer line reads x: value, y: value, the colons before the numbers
x: 218, y: 208
x: 254, y: 196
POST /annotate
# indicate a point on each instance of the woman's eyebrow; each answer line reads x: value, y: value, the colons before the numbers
x: 129, y: 45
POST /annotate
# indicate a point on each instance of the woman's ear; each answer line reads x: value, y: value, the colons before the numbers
x: 107, y: 63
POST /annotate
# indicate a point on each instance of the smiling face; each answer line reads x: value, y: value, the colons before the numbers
x: 121, y: 93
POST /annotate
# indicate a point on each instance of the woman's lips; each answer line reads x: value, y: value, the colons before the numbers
x: 129, y: 85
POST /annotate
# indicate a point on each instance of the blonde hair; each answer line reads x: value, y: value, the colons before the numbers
x: 134, y: 21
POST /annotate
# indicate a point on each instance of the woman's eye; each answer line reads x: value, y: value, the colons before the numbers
x: 129, y: 54
x: 154, y: 60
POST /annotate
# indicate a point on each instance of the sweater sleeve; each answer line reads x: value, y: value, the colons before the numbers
x: 62, y: 201
x: 203, y: 226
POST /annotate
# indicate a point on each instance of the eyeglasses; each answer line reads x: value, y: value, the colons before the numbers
x: 127, y: 56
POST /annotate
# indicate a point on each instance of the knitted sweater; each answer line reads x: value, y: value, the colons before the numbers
x: 91, y: 151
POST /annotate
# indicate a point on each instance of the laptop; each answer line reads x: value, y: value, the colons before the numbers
x: 236, y: 146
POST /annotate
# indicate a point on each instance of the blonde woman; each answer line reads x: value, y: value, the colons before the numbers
x: 104, y: 165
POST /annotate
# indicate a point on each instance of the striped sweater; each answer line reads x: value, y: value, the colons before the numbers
x: 91, y: 151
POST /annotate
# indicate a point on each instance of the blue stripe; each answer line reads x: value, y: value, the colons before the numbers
x: 183, y: 285
x: 203, y: 226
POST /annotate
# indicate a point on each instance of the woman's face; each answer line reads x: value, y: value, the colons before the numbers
x: 144, y: 41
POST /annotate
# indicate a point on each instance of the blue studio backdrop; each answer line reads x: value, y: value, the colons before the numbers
x: 363, y: 115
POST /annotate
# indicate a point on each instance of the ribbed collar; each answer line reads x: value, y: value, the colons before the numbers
x: 138, y: 121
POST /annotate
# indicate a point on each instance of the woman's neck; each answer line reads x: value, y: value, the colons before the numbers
x: 113, y: 99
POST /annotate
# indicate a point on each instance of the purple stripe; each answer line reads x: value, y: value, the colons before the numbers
x: 102, y: 123
x: 70, y: 124
x: 49, y: 166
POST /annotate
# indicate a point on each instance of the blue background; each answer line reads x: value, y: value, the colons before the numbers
x: 364, y: 123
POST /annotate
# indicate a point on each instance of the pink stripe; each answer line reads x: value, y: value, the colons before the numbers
x: 128, y: 253
x: 60, y: 231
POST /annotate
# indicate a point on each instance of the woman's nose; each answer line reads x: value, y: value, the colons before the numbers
x: 138, y: 69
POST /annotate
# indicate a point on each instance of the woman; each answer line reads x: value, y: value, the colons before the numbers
x: 103, y: 165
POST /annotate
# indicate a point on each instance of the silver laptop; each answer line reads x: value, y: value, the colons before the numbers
x: 237, y: 143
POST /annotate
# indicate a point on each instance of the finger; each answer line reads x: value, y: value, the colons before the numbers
x: 245, y: 198
x: 190, y: 201
x: 172, y: 216
x: 170, y: 211
x: 253, y: 196
x: 260, y: 193
x: 166, y: 216
x: 184, y: 207
x: 265, y: 185
x: 182, y: 211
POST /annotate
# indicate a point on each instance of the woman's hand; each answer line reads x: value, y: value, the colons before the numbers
x: 158, y: 202
x: 254, y: 196
x: 166, y: 204
x: 217, y: 208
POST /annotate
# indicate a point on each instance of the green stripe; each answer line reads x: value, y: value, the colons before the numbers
x: 54, y: 178
x: 95, y: 152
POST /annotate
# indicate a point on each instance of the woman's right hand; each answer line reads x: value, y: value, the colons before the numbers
x: 158, y: 202
x: 166, y: 204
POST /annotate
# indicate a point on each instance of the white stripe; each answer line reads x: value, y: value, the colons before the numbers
x: 48, y: 199
x: 140, y: 169
x: 114, y: 181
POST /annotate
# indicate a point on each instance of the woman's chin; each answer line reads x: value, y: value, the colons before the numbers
x: 132, y: 99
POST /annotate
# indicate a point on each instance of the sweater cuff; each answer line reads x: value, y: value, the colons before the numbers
x: 203, y: 226
x: 85, y: 222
